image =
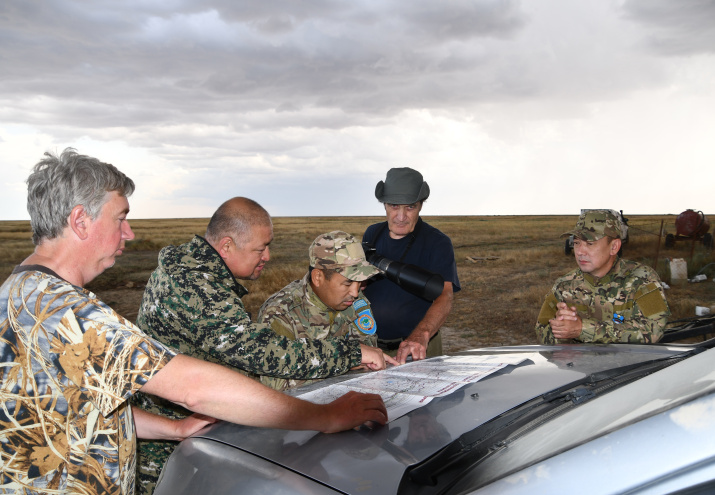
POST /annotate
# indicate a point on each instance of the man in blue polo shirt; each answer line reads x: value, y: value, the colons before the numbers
x: 408, y: 325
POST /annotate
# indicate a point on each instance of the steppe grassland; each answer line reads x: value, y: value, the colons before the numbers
x: 515, y: 261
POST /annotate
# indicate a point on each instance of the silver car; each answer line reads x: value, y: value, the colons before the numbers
x: 569, y: 419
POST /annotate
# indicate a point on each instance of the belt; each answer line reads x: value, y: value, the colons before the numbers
x: 390, y: 344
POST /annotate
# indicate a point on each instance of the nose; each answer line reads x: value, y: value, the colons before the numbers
x: 354, y: 288
x: 266, y: 254
x: 127, y: 232
x: 579, y: 249
x: 402, y: 213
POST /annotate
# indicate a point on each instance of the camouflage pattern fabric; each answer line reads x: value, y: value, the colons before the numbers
x: 297, y: 312
x: 627, y: 305
x: 69, y: 365
x: 592, y: 225
x: 151, y: 457
x: 342, y: 253
x: 153, y: 454
x: 192, y: 303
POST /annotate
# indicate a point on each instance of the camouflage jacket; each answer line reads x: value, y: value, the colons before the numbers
x: 69, y: 364
x: 626, y: 305
x: 192, y: 303
x: 297, y: 312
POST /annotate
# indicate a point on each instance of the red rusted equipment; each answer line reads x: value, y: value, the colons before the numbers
x: 691, y: 224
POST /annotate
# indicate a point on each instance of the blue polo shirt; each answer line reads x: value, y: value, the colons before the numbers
x: 397, y: 312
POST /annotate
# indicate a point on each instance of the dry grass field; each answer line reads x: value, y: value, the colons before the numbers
x: 514, y: 261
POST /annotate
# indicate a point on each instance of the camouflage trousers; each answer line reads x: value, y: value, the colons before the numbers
x: 151, y: 457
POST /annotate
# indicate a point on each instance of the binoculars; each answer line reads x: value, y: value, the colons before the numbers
x: 418, y: 281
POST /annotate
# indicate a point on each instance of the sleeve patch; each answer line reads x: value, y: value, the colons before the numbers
x: 366, y: 322
x: 652, y: 303
x: 281, y: 330
x: 359, y: 304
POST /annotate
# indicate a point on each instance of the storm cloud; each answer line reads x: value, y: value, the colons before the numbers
x: 505, y: 106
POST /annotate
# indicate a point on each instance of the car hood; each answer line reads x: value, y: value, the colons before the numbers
x: 375, y: 460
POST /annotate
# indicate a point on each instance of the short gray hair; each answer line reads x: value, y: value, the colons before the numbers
x: 236, y: 218
x: 59, y: 183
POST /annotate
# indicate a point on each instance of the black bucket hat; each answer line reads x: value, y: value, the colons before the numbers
x: 402, y: 186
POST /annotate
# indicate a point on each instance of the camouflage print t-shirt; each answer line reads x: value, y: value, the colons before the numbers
x: 297, y: 312
x: 69, y: 364
x: 626, y: 305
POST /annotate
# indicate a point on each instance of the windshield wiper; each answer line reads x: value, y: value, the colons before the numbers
x: 442, y: 470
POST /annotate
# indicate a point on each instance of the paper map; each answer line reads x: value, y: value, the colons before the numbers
x: 412, y: 385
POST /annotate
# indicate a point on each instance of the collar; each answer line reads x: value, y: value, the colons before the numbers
x: 607, y: 278
x: 311, y: 296
x: 36, y: 268
x: 206, y: 250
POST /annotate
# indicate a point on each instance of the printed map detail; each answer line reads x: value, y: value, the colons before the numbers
x: 412, y: 385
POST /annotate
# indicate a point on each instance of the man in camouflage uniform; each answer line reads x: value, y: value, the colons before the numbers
x: 192, y: 303
x: 606, y: 299
x: 327, y: 301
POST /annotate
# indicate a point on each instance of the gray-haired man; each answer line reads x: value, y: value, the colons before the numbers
x: 407, y: 324
x: 71, y: 363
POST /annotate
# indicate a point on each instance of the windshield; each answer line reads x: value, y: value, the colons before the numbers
x: 493, y: 450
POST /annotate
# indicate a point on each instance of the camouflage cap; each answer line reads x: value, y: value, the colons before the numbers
x: 343, y: 253
x: 592, y: 225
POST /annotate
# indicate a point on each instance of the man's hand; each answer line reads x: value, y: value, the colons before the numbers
x: 192, y: 424
x: 354, y: 409
x: 153, y: 426
x: 417, y: 342
x: 374, y: 359
x: 567, y: 323
x: 225, y: 394
x: 412, y: 346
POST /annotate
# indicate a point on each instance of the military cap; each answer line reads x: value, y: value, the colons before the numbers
x: 595, y: 224
x: 341, y: 252
x: 402, y: 186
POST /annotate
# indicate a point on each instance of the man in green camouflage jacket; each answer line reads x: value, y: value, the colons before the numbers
x: 192, y: 303
x: 606, y: 299
x: 327, y: 301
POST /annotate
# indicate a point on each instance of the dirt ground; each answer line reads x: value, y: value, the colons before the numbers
x: 497, y: 306
x: 506, y: 265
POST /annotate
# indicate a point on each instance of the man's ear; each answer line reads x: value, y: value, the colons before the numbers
x: 615, y: 246
x: 79, y: 222
x: 317, y: 276
x: 225, y: 245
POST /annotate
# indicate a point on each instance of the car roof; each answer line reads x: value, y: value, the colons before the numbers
x: 376, y: 460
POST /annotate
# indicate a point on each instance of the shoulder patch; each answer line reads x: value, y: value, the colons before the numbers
x: 652, y: 303
x: 365, y: 322
x: 646, y: 289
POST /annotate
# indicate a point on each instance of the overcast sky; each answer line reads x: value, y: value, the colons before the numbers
x: 506, y: 107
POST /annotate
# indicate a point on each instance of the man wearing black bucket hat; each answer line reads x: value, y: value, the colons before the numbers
x: 408, y: 325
